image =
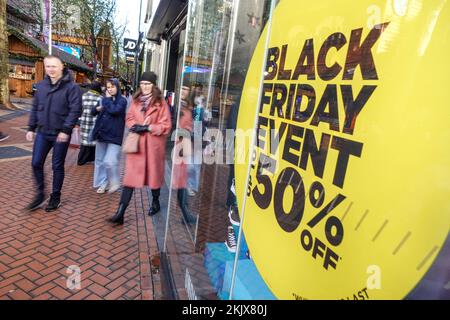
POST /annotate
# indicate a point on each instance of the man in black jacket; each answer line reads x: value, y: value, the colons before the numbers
x: 56, y: 109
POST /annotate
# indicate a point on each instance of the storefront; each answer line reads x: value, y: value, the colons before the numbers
x: 22, y: 74
x: 342, y: 190
x: 26, y: 63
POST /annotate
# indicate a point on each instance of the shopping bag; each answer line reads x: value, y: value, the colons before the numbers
x: 75, y: 137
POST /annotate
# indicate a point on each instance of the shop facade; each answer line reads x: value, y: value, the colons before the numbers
x: 304, y: 176
x: 26, y: 52
x: 26, y: 64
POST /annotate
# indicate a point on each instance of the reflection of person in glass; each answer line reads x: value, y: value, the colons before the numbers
x: 197, y: 100
x: 149, y: 116
x: 233, y: 215
x: 182, y: 154
x: 230, y: 146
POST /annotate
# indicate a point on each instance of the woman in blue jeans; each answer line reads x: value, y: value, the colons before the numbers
x: 108, y: 133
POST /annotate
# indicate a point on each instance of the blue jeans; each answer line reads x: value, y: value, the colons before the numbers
x: 43, y: 144
x: 107, y: 156
x: 194, y: 176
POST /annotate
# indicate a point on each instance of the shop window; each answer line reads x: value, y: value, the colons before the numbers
x: 332, y: 192
x: 21, y: 72
x: 204, y: 219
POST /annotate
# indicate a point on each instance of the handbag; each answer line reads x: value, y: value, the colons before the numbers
x: 131, y: 143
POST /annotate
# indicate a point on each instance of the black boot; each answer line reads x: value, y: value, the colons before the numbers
x: 118, y: 216
x: 125, y: 198
x: 37, y: 202
x: 54, y: 203
x: 188, y: 217
x: 155, y: 208
x: 182, y: 202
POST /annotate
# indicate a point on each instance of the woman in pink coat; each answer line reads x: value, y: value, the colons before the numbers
x: 183, y: 151
x: 149, y: 116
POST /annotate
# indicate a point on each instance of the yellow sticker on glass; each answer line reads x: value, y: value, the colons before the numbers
x: 350, y: 181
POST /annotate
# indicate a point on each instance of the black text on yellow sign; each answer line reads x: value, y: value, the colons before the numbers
x: 352, y: 148
x: 281, y: 101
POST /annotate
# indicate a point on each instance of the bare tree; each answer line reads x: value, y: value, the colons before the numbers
x: 117, y: 33
x: 96, y: 15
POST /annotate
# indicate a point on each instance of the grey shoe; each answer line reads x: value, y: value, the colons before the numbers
x: 37, y: 202
x: 3, y: 137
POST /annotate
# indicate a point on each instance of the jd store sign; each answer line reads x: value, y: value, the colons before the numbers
x: 129, y: 45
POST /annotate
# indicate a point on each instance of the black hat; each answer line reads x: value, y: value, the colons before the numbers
x: 96, y: 86
x: 149, y: 76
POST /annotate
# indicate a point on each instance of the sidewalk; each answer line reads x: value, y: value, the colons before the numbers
x: 22, y: 103
x: 36, y: 249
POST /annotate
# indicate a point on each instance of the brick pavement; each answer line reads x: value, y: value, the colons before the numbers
x: 36, y: 249
x: 185, y: 244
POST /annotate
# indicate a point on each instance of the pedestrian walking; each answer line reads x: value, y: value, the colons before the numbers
x: 198, y: 115
x: 92, y: 98
x: 183, y: 152
x: 148, y: 116
x: 108, y: 134
x: 55, y: 111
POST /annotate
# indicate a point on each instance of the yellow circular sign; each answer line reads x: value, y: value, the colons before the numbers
x: 349, y: 188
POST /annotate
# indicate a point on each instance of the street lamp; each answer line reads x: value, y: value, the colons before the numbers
x: 136, y: 55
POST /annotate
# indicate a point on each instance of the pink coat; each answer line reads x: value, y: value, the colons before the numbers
x: 146, y: 167
x: 179, y: 175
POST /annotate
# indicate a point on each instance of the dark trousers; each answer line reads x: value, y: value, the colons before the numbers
x: 86, y: 154
x: 43, y: 144
x: 182, y: 202
x: 127, y: 193
x: 231, y: 198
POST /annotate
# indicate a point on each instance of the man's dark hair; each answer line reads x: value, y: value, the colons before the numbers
x: 50, y: 56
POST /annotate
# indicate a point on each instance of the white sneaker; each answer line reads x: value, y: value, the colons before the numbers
x: 102, y: 188
x: 114, y: 188
x: 230, y: 241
